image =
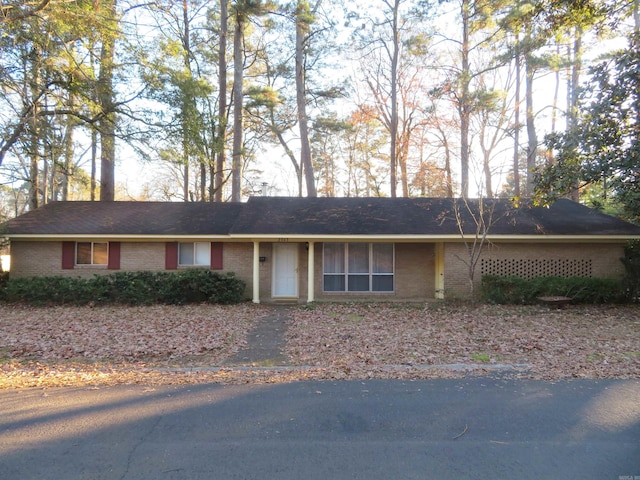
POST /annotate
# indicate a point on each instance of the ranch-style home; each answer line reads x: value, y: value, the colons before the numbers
x: 323, y: 249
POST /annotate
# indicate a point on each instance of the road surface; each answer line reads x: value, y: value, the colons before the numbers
x: 474, y: 428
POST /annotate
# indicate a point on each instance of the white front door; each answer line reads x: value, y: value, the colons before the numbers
x: 285, y: 270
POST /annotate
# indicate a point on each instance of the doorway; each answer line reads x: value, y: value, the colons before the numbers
x: 285, y: 270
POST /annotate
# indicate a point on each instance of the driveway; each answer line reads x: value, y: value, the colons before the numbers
x: 476, y: 428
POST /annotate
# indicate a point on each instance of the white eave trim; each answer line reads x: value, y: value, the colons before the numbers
x: 119, y: 237
x: 453, y: 238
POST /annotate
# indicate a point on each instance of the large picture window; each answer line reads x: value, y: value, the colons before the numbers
x: 194, y: 253
x: 358, y: 267
x: 92, y: 253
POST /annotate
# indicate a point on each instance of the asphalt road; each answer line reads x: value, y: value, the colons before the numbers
x: 476, y: 428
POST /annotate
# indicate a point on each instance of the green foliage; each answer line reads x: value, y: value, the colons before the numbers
x: 631, y: 261
x: 133, y: 288
x: 584, y: 290
x: 603, y: 146
x: 4, y: 279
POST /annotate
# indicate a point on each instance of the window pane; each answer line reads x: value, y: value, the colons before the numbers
x: 186, y: 254
x: 382, y: 283
x: 358, y: 283
x: 358, y: 258
x: 334, y: 258
x: 100, y: 254
x: 83, y: 253
x: 203, y: 253
x: 334, y: 283
x: 382, y: 258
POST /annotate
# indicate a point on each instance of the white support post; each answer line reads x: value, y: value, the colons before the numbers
x: 439, y: 270
x: 256, y: 272
x: 311, y: 273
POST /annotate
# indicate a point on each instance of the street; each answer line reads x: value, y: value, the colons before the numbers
x: 473, y: 428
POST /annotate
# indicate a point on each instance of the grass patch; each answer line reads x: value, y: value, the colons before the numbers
x: 595, y: 357
x: 480, y: 357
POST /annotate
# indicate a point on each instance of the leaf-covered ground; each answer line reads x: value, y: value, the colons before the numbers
x: 546, y: 343
x: 189, y: 344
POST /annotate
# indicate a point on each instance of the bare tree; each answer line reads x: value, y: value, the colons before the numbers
x: 474, y: 219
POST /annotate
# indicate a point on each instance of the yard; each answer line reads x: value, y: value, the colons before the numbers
x: 189, y: 344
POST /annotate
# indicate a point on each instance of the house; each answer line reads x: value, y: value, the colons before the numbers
x: 324, y: 249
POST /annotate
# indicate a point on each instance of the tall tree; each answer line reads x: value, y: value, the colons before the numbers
x: 392, y: 55
x: 106, y: 100
x: 242, y: 11
x: 603, y: 145
x: 478, y: 33
x: 222, y: 100
x: 304, y: 19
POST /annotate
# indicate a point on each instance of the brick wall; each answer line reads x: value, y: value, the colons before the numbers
x: 603, y: 260
x: 415, y: 264
x: 30, y: 259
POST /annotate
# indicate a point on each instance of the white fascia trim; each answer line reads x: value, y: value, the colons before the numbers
x: 440, y: 238
x: 132, y: 238
x: 334, y: 238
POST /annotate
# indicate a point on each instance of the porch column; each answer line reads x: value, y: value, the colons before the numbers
x: 439, y: 270
x: 310, y: 272
x: 256, y: 272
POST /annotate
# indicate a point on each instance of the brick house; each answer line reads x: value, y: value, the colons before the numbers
x: 323, y: 249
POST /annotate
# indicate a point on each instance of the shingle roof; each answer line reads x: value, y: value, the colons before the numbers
x: 280, y: 216
x: 420, y: 216
x: 127, y: 218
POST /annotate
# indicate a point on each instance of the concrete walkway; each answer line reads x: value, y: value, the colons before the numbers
x: 265, y: 343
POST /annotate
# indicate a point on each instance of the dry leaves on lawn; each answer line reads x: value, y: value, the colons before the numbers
x: 116, y: 344
x: 120, y: 333
x: 580, y: 341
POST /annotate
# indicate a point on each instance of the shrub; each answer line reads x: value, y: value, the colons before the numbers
x: 631, y: 261
x: 4, y: 279
x: 516, y: 290
x: 200, y: 285
x: 132, y: 288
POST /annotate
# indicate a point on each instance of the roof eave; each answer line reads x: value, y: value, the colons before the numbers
x: 334, y: 238
x: 439, y: 238
x: 114, y: 237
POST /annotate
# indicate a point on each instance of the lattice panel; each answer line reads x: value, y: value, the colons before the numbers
x: 537, y: 267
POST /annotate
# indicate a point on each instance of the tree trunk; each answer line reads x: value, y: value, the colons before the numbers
x: 516, y: 121
x: 464, y: 102
x: 68, y: 156
x: 34, y: 133
x: 393, y: 162
x: 305, y: 148
x: 222, y: 101
x: 238, y: 67
x: 576, y: 67
x: 106, y: 125
x: 532, y: 145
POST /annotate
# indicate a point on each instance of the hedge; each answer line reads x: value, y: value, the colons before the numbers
x: 133, y: 288
x: 516, y: 290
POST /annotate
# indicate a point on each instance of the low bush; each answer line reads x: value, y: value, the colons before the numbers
x: 517, y: 290
x: 4, y: 279
x: 132, y: 288
x: 631, y: 261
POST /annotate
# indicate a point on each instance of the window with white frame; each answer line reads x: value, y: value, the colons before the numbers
x: 358, y: 267
x: 194, y: 253
x: 92, y: 253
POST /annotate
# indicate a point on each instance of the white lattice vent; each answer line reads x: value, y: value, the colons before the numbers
x: 537, y: 267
